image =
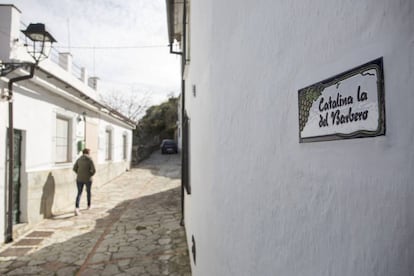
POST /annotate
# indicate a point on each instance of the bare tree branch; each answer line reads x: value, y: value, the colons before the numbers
x: 132, y: 104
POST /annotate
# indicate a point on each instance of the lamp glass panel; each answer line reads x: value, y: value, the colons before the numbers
x: 39, y: 50
x: 36, y: 36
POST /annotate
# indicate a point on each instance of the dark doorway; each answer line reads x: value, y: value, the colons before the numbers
x: 17, y: 153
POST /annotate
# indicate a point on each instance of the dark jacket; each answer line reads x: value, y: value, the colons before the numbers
x: 84, y: 168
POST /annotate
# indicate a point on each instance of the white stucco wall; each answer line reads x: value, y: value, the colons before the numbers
x: 49, y: 187
x: 7, y: 19
x: 36, y: 110
x: 117, y: 142
x: 3, y: 135
x: 261, y: 202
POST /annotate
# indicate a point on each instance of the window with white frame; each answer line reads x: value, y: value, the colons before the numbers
x: 108, y: 144
x: 124, y: 147
x: 62, y: 140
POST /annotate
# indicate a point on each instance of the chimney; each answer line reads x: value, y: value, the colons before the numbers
x: 84, y: 75
x: 65, y: 61
x: 93, y: 82
x: 11, y: 42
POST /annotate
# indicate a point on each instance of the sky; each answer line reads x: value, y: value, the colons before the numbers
x: 123, y: 42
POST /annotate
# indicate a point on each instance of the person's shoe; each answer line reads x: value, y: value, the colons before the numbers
x: 89, y: 207
x: 77, y: 212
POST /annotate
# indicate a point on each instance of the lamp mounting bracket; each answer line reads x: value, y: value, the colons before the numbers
x: 7, y: 67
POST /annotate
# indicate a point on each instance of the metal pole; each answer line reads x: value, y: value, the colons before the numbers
x: 9, y: 231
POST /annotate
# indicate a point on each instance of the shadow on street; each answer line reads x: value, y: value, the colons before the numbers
x: 140, y: 236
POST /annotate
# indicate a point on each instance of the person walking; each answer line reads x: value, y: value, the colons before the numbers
x: 85, y: 169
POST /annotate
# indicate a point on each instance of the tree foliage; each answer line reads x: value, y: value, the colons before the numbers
x: 159, y: 122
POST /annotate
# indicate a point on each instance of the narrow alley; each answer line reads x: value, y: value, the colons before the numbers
x: 133, y: 228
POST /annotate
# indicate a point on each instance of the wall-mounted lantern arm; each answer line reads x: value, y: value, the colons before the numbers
x: 8, y: 67
x: 38, y: 45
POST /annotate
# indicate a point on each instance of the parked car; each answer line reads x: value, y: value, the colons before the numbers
x: 168, y: 146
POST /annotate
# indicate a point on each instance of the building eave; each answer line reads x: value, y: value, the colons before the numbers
x: 68, y: 88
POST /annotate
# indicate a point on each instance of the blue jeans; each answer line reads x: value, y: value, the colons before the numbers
x: 80, y: 189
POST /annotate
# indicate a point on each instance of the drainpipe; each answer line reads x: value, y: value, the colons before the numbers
x: 184, y: 150
x: 174, y: 52
x: 183, y: 115
x: 9, y: 230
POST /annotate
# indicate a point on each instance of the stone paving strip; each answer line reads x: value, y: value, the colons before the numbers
x: 132, y: 229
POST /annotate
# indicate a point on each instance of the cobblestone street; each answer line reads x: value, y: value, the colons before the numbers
x: 132, y: 229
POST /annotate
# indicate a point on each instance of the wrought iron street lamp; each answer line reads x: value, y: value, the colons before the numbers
x: 38, y: 43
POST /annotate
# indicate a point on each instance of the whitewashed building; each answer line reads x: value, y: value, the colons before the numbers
x: 56, y: 114
x: 300, y: 144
